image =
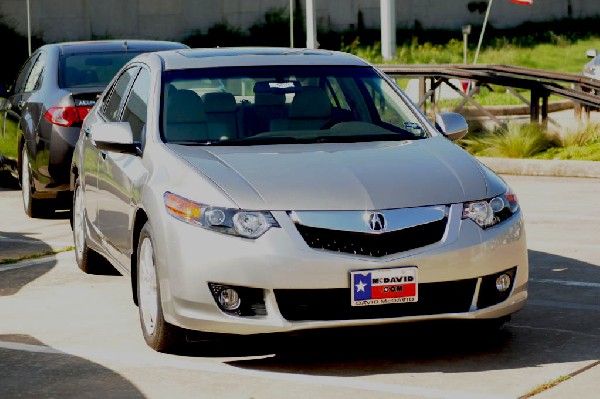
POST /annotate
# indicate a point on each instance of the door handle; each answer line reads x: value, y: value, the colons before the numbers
x: 20, y: 105
x: 87, y: 130
x: 103, y: 154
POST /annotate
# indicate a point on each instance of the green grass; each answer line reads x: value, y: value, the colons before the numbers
x: 562, y: 56
x: 8, y: 142
x: 10, y: 261
x: 565, y: 57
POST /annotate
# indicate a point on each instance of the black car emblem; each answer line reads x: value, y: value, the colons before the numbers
x: 376, y: 222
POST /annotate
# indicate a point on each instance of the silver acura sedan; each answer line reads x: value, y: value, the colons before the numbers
x: 259, y: 190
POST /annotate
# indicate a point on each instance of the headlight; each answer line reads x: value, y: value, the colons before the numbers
x: 238, y: 222
x: 487, y: 213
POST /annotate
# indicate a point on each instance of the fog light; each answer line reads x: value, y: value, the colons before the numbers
x: 229, y: 299
x: 503, y: 282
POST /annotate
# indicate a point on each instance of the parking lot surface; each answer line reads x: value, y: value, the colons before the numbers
x: 67, y: 334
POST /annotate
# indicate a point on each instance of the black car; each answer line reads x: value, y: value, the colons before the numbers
x: 41, y: 115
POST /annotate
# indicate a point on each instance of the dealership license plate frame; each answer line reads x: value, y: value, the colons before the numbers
x: 367, y: 279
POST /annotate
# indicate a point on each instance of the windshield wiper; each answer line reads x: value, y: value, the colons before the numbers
x: 191, y: 142
x: 363, y: 138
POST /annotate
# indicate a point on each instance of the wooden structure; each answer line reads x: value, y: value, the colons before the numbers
x: 584, y: 91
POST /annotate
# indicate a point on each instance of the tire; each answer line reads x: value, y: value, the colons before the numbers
x: 32, y: 206
x: 158, y: 333
x: 89, y: 261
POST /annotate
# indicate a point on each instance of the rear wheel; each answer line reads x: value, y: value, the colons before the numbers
x: 31, y: 205
x: 158, y: 333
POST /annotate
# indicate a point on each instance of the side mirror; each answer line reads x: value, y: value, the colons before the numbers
x: 592, y: 53
x: 452, y: 125
x: 114, y: 137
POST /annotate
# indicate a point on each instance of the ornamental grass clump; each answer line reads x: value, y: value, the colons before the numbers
x: 582, y: 137
x: 514, y: 141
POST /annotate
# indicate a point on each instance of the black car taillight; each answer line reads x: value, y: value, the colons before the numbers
x: 66, y: 116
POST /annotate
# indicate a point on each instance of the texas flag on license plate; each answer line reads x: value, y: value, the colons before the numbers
x: 378, y: 287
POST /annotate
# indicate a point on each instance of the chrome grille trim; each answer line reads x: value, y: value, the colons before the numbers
x: 357, y: 221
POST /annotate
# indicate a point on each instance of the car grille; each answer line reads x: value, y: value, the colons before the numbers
x: 334, y: 304
x: 376, y: 245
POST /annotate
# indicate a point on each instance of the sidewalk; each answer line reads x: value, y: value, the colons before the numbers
x: 540, y: 167
x: 584, y: 385
x: 21, y: 236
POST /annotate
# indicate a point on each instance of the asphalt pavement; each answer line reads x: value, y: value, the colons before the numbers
x: 67, y: 334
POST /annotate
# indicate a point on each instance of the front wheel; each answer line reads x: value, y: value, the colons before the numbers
x: 158, y: 333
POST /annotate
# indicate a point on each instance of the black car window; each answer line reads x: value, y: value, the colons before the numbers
x: 90, y: 69
x: 112, y: 104
x: 34, y: 79
x: 24, y: 73
x: 137, y: 104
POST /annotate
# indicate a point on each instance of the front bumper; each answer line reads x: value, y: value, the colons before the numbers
x: 288, y: 273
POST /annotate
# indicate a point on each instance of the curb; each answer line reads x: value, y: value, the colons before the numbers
x: 541, y: 167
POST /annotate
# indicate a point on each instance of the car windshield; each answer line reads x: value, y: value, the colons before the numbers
x: 275, y: 105
x: 90, y: 69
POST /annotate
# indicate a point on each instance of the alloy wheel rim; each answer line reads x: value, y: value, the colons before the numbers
x: 148, y: 288
x: 78, y: 224
x: 25, y: 184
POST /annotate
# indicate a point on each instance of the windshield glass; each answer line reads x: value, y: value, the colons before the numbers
x: 273, y: 105
x: 92, y: 69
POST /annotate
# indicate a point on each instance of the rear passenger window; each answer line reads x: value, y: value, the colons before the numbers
x: 137, y: 104
x: 24, y: 73
x: 34, y: 79
x: 113, y: 100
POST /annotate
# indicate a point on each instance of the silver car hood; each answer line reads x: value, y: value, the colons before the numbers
x: 334, y: 176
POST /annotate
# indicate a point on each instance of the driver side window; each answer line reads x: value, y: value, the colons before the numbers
x: 136, y: 109
x: 113, y: 100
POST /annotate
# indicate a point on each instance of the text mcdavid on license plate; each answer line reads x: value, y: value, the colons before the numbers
x: 384, y: 286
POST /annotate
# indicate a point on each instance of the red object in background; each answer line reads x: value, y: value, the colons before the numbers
x: 522, y: 2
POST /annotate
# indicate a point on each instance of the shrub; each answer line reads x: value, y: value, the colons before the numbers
x: 514, y: 141
x: 584, y: 136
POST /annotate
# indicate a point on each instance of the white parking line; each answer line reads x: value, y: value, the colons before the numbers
x: 565, y: 282
x: 160, y: 360
x: 563, y: 305
x: 38, y: 261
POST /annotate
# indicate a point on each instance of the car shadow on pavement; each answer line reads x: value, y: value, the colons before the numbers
x: 559, y: 324
x: 30, y: 369
x: 13, y: 246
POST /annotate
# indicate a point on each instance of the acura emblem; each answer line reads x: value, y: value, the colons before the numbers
x: 376, y: 221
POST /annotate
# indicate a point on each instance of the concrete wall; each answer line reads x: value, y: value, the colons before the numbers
x: 59, y: 20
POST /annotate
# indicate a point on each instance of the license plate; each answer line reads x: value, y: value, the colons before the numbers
x: 384, y: 286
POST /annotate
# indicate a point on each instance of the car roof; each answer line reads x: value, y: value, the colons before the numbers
x: 254, y: 56
x: 115, y: 46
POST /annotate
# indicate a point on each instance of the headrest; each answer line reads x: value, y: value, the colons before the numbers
x: 310, y: 103
x: 219, y: 102
x: 269, y: 99
x: 184, y: 106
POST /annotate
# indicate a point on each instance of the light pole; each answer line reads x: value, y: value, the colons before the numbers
x: 28, y: 29
x: 292, y: 23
